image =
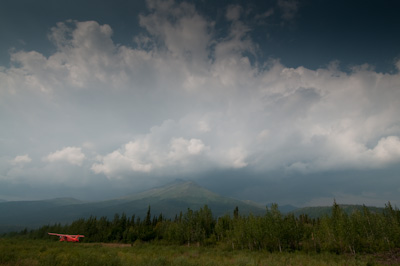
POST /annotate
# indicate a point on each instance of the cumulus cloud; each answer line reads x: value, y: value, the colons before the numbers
x: 231, y: 112
x: 187, y: 36
x: 181, y: 101
x: 155, y: 152
x: 387, y: 150
x: 72, y: 155
x: 21, y: 159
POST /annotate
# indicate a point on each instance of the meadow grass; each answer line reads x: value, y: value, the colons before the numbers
x: 46, y: 252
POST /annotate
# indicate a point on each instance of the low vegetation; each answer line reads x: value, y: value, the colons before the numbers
x: 46, y: 252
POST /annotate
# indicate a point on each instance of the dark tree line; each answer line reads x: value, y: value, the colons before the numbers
x: 361, y: 231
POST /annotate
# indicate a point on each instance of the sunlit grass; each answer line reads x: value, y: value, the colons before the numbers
x: 45, y: 252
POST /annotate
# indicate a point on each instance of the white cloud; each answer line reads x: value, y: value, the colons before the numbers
x: 187, y: 36
x: 229, y: 112
x: 203, y: 126
x: 21, y: 159
x: 154, y: 152
x: 161, y: 151
x: 117, y: 164
x: 387, y: 150
x: 236, y: 157
x: 195, y: 146
x: 72, y: 155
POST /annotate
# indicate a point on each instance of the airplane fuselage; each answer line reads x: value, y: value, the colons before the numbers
x: 67, y: 238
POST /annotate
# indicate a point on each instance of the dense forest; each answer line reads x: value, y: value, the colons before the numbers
x: 360, y: 232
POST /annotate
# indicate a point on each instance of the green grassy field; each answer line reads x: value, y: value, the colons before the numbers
x: 46, y: 252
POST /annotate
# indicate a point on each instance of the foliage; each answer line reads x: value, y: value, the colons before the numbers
x: 362, y: 231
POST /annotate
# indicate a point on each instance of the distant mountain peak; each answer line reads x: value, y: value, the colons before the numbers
x: 63, y: 201
x: 178, y: 189
x: 169, y: 200
x: 180, y: 181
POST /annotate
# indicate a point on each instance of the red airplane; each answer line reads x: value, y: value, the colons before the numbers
x: 67, y: 238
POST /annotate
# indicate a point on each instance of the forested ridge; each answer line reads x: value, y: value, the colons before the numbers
x: 362, y: 231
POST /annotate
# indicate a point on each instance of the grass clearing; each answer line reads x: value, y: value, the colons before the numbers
x: 45, y: 252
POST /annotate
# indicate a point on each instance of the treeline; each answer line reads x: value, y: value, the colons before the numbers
x: 361, y: 231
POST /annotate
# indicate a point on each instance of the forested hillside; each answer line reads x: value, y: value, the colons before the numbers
x: 168, y: 200
x: 339, y: 232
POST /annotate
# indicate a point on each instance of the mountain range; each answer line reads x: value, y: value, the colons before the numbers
x: 169, y: 200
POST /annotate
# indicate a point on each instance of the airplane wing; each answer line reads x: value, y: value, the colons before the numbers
x: 74, y: 236
x: 54, y: 234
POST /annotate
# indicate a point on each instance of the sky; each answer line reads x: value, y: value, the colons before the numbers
x: 287, y: 101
